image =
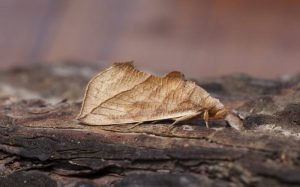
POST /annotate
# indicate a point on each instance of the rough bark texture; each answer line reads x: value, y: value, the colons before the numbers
x: 42, y: 144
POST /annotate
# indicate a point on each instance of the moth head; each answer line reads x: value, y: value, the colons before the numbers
x: 217, y: 109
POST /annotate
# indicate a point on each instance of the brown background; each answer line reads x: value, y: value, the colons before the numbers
x: 198, y: 37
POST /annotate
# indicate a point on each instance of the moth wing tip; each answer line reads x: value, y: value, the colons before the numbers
x: 124, y: 64
x: 79, y: 117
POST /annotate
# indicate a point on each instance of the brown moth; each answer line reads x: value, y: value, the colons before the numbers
x: 122, y: 94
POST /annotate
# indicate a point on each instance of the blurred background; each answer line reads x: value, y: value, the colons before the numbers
x: 197, y: 37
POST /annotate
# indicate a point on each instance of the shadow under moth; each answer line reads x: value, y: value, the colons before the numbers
x: 122, y: 94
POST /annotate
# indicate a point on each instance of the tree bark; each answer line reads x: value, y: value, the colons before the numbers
x: 42, y: 143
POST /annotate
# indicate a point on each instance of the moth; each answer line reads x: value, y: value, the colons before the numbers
x: 122, y: 94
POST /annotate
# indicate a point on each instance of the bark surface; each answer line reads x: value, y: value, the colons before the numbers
x: 41, y: 143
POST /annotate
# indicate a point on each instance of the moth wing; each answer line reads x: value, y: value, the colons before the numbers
x: 118, y: 78
x: 156, y: 98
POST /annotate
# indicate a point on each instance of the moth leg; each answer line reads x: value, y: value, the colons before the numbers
x: 206, y: 117
x: 184, y: 118
x: 135, y: 125
x: 139, y: 123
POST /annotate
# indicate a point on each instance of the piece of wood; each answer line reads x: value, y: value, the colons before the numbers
x: 42, y: 145
x: 121, y: 94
